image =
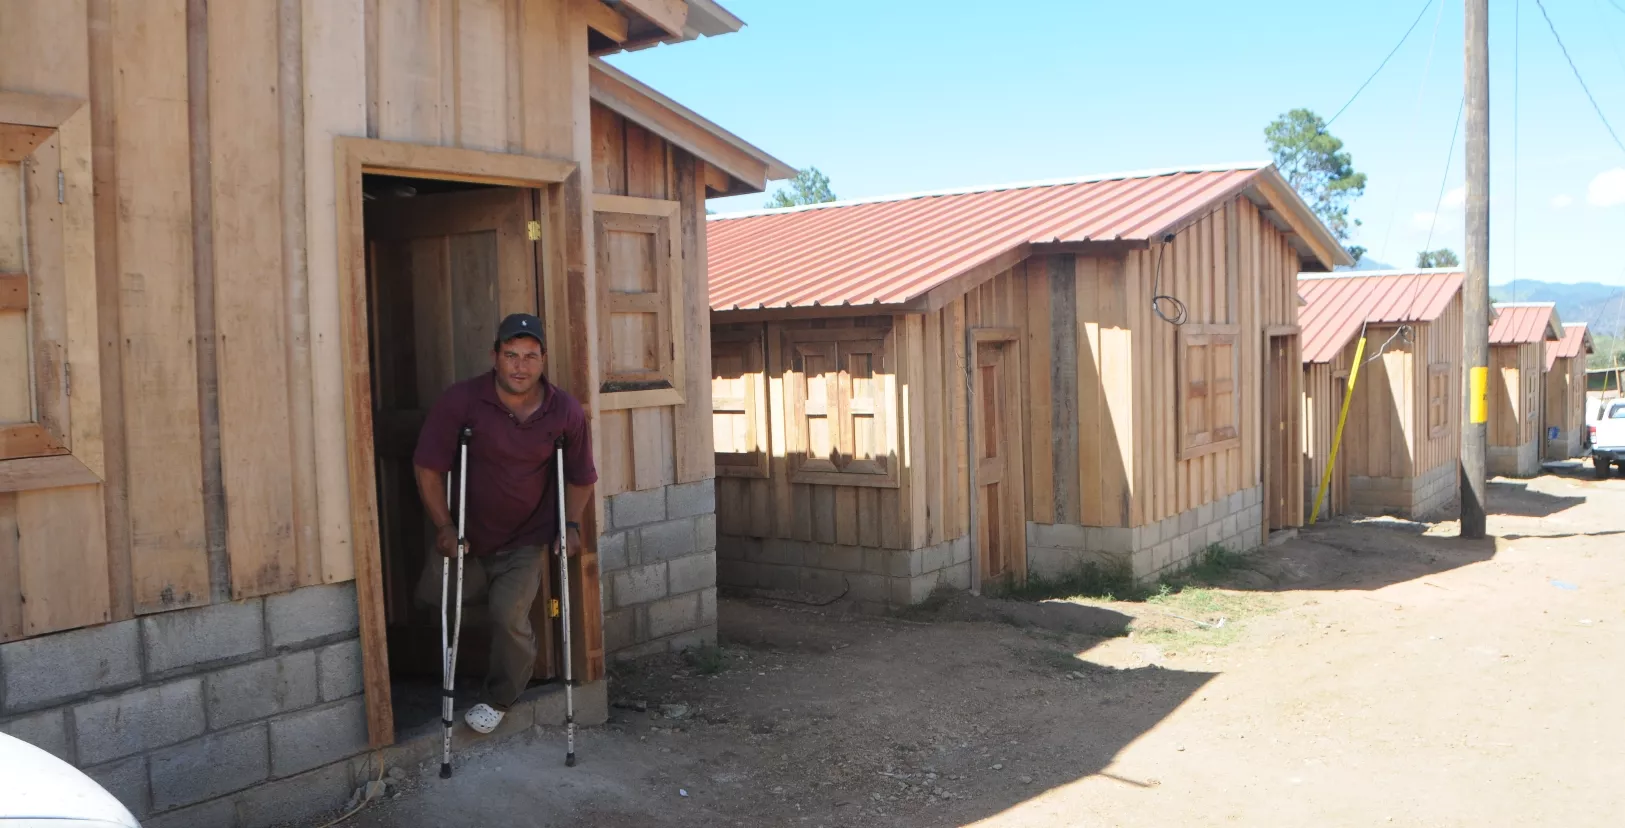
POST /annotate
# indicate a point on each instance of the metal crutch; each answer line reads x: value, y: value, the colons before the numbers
x: 448, y: 649
x: 564, y: 615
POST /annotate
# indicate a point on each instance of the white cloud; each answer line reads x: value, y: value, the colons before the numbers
x: 1422, y: 220
x: 1559, y: 202
x: 1607, y: 189
x: 1455, y: 198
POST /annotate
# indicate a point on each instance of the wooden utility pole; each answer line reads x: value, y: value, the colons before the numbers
x: 1476, y: 290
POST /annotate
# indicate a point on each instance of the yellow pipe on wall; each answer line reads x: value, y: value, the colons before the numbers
x: 1337, y: 439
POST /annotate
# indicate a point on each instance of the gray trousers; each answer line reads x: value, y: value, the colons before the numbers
x: 514, y: 576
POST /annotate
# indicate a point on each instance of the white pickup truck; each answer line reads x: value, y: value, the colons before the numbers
x: 1607, y: 437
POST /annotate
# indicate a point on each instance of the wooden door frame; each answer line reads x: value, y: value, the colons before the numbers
x: 1294, y: 411
x: 1011, y: 338
x: 557, y: 180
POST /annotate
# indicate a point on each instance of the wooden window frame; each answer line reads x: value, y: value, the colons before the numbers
x: 661, y: 218
x: 1439, y: 372
x: 48, y: 137
x: 837, y: 342
x: 1230, y: 436
x: 752, y: 345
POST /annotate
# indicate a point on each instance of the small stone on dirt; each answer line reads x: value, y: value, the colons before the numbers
x: 674, y: 711
x: 998, y: 767
x: 397, y: 774
x: 1025, y: 780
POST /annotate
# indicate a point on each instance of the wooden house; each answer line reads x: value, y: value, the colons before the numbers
x: 963, y: 387
x: 1566, y: 391
x: 1401, y: 445
x: 242, y: 248
x: 1517, y: 411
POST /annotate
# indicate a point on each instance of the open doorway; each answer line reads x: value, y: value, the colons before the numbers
x: 1282, y: 431
x: 445, y: 261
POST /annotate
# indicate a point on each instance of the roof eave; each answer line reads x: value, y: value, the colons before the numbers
x: 748, y: 166
x: 1301, y: 221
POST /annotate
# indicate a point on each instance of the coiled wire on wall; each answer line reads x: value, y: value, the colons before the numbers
x: 1158, y: 298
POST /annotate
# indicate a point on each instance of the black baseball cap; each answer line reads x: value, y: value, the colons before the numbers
x: 521, y: 324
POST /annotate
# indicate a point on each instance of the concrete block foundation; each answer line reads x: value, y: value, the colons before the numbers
x: 1151, y: 551
x: 1514, y: 461
x: 658, y: 570
x: 1408, y: 497
x: 866, y: 578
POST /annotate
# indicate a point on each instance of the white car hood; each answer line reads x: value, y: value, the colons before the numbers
x: 38, y: 788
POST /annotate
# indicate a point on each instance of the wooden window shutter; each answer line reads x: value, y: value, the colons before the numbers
x: 1209, y: 409
x: 738, y: 405
x: 1438, y: 399
x: 640, y: 286
x: 50, y: 398
x: 841, y: 387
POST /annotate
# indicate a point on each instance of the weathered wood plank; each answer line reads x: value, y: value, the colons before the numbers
x: 1117, y: 386
x: 1092, y: 441
x: 934, y: 445
x: 251, y: 350
x: 407, y: 54
x: 481, y: 74
x: 911, y: 506
x: 335, y: 65
x: 11, y: 582
x: 1040, y: 423
x: 154, y: 237
x: 696, y: 450
x: 62, y: 556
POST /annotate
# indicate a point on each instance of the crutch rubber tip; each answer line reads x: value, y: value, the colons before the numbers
x: 445, y: 770
x: 570, y: 760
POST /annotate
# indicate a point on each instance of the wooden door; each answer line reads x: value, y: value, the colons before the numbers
x: 442, y: 271
x: 1001, y: 527
x: 1283, y: 458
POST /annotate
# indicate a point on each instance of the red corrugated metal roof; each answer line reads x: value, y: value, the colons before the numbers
x: 892, y: 250
x: 1519, y: 323
x: 1576, y: 338
x: 1338, y: 305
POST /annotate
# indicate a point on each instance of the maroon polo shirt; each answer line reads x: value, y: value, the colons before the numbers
x: 511, y: 497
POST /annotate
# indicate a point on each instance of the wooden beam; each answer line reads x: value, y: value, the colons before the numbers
x: 710, y: 143
x: 451, y: 164
x: 13, y: 291
x: 29, y: 440
x: 30, y: 473
x: 731, y: 317
x: 606, y: 21
x: 716, y: 179
x: 670, y: 15
x: 47, y: 111
x: 1102, y: 249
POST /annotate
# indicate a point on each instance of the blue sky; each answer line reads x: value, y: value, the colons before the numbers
x: 889, y: 96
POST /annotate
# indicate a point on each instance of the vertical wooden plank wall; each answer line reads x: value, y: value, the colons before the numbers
x: 1255, y: 287
x: 644, y: 448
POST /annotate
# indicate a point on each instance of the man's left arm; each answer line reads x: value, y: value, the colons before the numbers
x: 580, y: 477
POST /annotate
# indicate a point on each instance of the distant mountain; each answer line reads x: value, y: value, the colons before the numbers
x: 1366, y: 263
x: 1600, y: 306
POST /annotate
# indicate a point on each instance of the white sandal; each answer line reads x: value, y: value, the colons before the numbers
x: 483, y: 718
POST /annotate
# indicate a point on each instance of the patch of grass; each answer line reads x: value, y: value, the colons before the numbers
x: 1214, y: 563
x: 1090, y: 580
x: 706, y: 660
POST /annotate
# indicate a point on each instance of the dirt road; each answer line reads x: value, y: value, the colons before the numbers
x: 1368, y: 673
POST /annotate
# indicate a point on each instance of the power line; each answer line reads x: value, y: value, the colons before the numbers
x: 1449, y: 157
x: 1385, y: 60
x: 1516, y: 33
x: 1576, y: 69
x: 1615, y: 4
x: 1416, y: 116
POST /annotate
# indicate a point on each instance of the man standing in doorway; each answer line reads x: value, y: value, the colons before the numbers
x: 517, y: 415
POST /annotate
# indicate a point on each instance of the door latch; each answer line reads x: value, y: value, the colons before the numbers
x: 534, y: 230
